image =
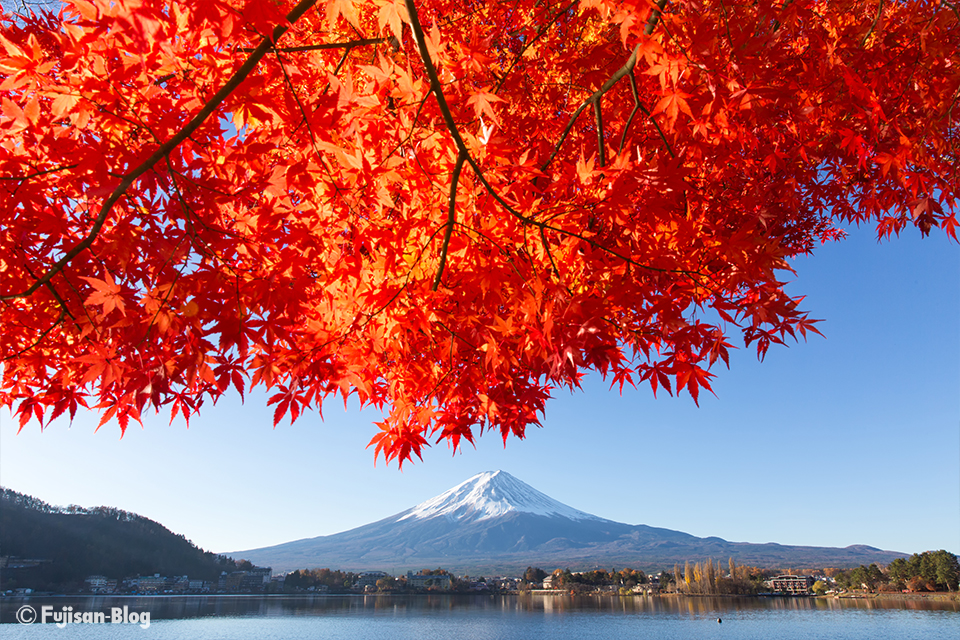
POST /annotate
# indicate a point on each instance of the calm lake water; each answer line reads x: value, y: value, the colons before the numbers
x: 491, y: 618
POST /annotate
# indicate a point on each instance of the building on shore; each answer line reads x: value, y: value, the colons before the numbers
x: 794, y: 585
x: 421, y: 581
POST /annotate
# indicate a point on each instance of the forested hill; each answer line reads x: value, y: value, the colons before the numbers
x: 75, y: 542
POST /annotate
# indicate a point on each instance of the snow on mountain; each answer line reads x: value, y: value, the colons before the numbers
x: 489, y: 495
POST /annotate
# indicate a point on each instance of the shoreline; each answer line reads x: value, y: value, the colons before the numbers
x: 941, y: 596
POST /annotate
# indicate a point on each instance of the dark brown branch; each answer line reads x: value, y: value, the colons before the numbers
x: 612, y: 80
x: 598, y: 121
x: 451, y: 217
x: 654, y: 17
x: 529, y: 43
x: 39, y: 339
x: 413, y: 124
x: 952, y: 6
x: 627, y: 68
x: 546, y: 248
x: 296, y: 97
x: 663, y: 137
x: 873, y: 26
x: 949, y: 114
x: 238, y: 77
x: 638, y: 106
x: 726, y: 25
x: 437, y: 89
x: 37, y: 174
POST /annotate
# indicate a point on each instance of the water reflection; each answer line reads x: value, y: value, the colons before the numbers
x: 179, y: 607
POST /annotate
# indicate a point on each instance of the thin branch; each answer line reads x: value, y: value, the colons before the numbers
x: 953, y: 6
x: 296, y: 97
x: 594, y: 99
x: 612, y: 80
x: 776, y: 23
x: 437, y: 89
x: 413, y: 125
x: 873, y: 26
x: 546, y: 247
x: 451, y: 217
x: 598, y: 120
x: 39, y: 173
x: 638, y: 106
x: 949, y: 114
x: 40, y: 338
x: 529, y: 43
x: 238, y: 77
x: 726, y: 25
x: 663, y: 136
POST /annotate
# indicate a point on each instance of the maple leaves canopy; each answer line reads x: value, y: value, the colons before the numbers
x: 445, y: 208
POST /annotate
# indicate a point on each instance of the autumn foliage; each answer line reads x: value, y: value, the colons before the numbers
x: 446, y: 208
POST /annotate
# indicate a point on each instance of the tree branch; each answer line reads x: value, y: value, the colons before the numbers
x: 529, y: 43
x: 873, y: 26
x: 444, y: 107
x: 654, y: 18
x: 627, y: 68
x: 598, y: 121
x: 776, y: 23
x: 37, y: 174
x: 952, y: 6
x: 638, y: 106
x: 451, y: 217
x: 437, y: 87
x: 63, y: 313
x: 238, y: 77
x: 594, y: 99
x: 296, y: 97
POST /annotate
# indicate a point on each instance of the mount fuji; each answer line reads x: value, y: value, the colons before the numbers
x: 495, y: 523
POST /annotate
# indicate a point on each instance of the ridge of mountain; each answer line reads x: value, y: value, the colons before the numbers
x: 494, y: 522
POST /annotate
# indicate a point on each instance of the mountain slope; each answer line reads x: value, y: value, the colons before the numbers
x: 493, y: 522
x: 76, y: 542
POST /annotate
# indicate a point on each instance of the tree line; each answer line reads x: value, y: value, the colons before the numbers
x: 927, y: 571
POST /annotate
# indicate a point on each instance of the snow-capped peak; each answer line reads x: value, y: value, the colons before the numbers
x: 489, y: 495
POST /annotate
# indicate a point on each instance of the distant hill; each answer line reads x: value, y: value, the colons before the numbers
x: 73, y: 543
x: 495, y: 523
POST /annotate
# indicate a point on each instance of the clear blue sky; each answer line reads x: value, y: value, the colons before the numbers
x: 851, y: 439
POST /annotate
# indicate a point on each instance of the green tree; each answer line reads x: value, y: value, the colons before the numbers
x: 534, y: 574
x: 666, y: 578
x: 946, y: 570
x: 899, y: 573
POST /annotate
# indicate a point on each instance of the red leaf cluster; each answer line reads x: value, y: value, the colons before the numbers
x: 444, y: 208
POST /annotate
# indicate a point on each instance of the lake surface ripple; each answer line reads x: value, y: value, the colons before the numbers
x: 456, y: 617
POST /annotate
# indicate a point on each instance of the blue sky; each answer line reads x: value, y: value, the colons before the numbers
x: 849, y: 439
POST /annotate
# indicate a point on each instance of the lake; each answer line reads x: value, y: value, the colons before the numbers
x: 456, y: 617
